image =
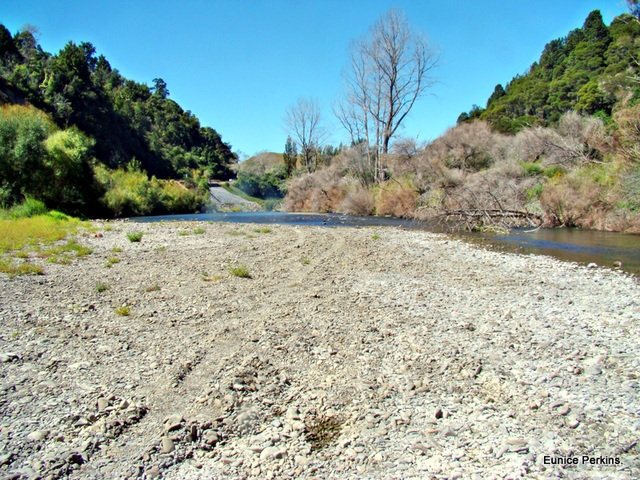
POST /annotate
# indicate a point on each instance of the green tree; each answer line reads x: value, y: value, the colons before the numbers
x: 290, y: 156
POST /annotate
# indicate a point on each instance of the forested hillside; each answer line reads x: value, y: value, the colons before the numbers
x: 558, y: 146
x: 591, y: 70
x: 107, y: 141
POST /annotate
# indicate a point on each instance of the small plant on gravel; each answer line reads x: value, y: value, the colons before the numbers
x: 239, y: 271
x: 135, y: 236
x: 160, y: 249
x: 305, y: 261
x: 321, y: 431
x: 375, y: 237
x: 123, y: 311
x: 25, y: 268
x: 153, y: 288
x: 199, y: 231
x: 111, y: 261
x: 236, y: 233
x: 262, y: 230
x: 102, y: 287
x: 116, y: 249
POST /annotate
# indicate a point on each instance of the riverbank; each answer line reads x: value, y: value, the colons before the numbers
x: 336, y: 353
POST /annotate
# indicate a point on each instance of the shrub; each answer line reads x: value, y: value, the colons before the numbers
x: 135, y: 236
x: 359, y: 202
x: 239, y: 271
x: 397, y: 202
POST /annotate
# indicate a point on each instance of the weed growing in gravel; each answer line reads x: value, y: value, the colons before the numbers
x: 116, y: 249
x: 135, y: 236
x: 237, y: 233
x: 160, y: 249
x: 375, y: 237
x: 305, y: 261
x: 214, y: 278
x: 262, y: 230
x: 25, y: 268
x: 111, y: 261
x: 153, y: 288
x: 196, y: 231
x: 321, y: 431
x: 102, y: 287
x: 239, y: 271
x: 123, y: 311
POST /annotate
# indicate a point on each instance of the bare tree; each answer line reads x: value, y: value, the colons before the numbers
x: 303, y: 120
x: 389, y: 70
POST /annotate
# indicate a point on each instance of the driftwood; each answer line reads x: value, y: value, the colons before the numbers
x: 472, y: 219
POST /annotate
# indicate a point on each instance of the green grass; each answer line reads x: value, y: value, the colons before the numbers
x: 24, y: 268
x: 123, y: 311
x: 116, y: 249
x: 305, y: 261
x: 239, y: 271
x: 102, y: 287
x: 111, y: 261
x: 262, y: 230
x: 375, y: 237
x: 195, y: 231
x: 135, y: 236
x: 15, y: 234
x: 237, y: 233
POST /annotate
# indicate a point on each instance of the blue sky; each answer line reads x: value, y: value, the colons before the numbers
x: 238, y: 65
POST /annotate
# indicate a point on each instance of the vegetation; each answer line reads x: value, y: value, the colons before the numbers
x: 123, y: 310
x: 239, y: 271
x: 74, y: 130
x: 135, y: 236
x: 558, y: 146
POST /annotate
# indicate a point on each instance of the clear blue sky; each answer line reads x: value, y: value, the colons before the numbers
x: 238, y: 65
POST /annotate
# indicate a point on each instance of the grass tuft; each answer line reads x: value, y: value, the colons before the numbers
x: 102, y: 287
x: 24, y: 268
x: 135, y: 236
x: 239, y: 271
x: 123, y: 311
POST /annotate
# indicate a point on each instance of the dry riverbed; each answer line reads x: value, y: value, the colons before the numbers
x: 347, y: 353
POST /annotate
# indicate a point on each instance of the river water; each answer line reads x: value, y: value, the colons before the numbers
x: 584, y: 246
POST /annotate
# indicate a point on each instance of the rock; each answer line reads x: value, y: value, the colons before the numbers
x: 103, y: 404
x: 153, y: 472
x: 38, y: 435
x: 270, y: 453
x: 8, y: 357
x: 173, y: 422
x: 167, y: 445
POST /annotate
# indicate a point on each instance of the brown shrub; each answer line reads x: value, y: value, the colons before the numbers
x: 358, y: 202
x: 574, y: 201
x: 397, y: 202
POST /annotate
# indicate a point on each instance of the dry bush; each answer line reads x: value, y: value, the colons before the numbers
x: 574, y: 201
x: 628, y: 136
x: 321, y: 191
x: 397, y: 202
x: 358, y: 202
x: 406, y: 157
x: 577, y: 141
x: 468, y: 146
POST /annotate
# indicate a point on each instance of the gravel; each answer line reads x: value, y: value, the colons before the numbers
x: 348, y: 353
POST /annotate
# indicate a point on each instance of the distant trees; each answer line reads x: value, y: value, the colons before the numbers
x: 303, y: 120
x: 389, y: 70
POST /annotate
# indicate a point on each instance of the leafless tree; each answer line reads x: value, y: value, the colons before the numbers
x: 389, y: 70
x: 303, y: 121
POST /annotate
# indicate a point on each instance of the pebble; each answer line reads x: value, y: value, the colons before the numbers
x: 38, y: 435
x: 167, y: 445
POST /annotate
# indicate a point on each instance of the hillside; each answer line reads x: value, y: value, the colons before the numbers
x: 593, y: 70
x: 116, y: 123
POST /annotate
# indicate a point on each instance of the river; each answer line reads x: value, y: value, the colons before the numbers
x: 583, y: 246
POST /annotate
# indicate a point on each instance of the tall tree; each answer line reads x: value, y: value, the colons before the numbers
x: 290, y: 156
x: 303, y: 120
x: 390, y: 69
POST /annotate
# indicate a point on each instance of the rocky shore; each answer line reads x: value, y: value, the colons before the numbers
x: 239, y: 351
